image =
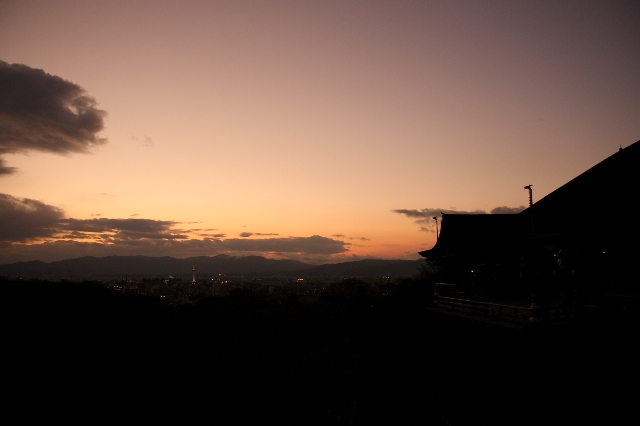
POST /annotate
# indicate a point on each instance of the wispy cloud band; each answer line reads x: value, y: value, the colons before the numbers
x: 425, y: 217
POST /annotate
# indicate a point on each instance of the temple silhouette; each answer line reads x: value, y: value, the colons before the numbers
x: 572, y: 252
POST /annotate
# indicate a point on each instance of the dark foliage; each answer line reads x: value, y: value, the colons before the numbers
x: 79, y: 353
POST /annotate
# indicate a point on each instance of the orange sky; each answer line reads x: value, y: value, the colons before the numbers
x: 231, y: 122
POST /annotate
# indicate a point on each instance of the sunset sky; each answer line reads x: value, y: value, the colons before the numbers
x: 322, y: 131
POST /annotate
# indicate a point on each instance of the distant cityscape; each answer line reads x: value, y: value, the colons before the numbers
x: 177, y: 291
x: 173, y: 281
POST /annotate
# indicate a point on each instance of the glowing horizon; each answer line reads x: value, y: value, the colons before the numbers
x: 306, y: 131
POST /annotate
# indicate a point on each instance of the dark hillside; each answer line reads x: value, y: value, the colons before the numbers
x: 114, y: 267
x: 118, y: 267
x: 81, y: 354
x: 368, y: 268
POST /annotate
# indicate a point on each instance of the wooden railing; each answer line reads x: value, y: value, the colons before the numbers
x: 492, y: 310
x: 511, y: 313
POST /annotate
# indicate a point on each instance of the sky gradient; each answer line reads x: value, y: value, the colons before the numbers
x: 318, y: 131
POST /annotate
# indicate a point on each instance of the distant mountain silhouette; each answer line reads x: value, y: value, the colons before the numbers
x: 369, y: 268
x: 114, y: 267
x: 142, y: 266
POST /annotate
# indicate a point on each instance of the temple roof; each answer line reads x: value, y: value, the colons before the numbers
x: 464, y: 232
x: 599, y: 203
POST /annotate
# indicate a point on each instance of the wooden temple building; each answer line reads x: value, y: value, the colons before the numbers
x: 576, y: 247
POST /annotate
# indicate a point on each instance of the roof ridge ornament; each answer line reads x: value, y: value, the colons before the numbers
x: 530, y: 194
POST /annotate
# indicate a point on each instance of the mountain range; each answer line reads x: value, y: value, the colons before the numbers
x: 118, y: 267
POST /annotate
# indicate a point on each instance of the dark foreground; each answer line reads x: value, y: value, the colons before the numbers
x: 80, y: 354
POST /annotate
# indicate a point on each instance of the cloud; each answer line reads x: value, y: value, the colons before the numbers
x: 5, y: 170
x: 31, y: 229
x: 23, y: 219
x: 213, y: 235
x: 314, y: 249
x: 312, y: 245
x: 43, y: 112
x: 123, y: 229
x: 425, y: 217
x: 147, y: 141
x: 430, y: 213
x: 351, y: 238
x: 507, y: 210
x: 249, y: 234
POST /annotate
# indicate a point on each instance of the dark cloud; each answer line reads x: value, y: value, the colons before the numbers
x: 250, y: 234
x: 75, y: 235
x: 312, y: 245
x: 120, y: 229
x: 5, y: 170
x: 125, y: 225
x: 313, y: 249
x: 43, y: 112
x: 30, y: 229
x: 424, y: 217
x: 507, y: 210
x: 213, y: 235
x: 22, y: 219
x: 430, y: 213
x: 207, y: 233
